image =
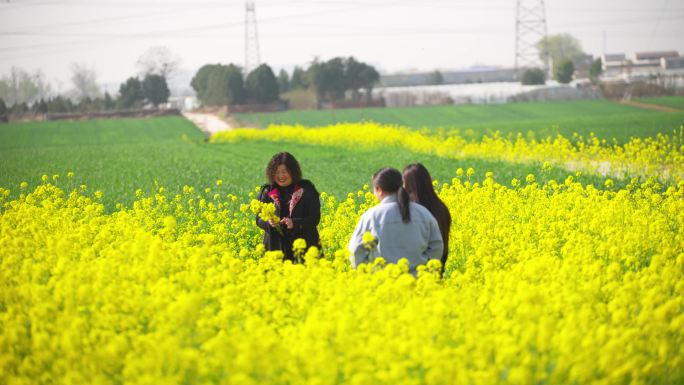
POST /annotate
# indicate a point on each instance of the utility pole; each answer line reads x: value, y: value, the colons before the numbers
x: 530, y: 29
x: 252, y: 59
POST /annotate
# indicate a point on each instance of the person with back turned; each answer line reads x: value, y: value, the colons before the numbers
x: 418, y: 184
x: 401, y: 228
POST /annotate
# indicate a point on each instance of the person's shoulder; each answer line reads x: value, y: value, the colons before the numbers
x: 306, y: 184
x: 370, y: 214
x: 265, y: 188
x: 379, y: 211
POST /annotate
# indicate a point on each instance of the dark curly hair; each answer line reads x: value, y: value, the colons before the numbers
x: 290, y: 163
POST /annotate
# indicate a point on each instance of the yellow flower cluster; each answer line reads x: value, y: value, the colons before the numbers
x: 661, y: 156
x: 557, y: 283
x: 265, y: 211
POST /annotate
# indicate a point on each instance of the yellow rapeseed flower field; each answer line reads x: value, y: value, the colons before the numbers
x: 558, y: 283
x: 662, y: 156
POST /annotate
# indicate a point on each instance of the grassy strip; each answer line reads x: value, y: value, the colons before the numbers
x: 666, y: 101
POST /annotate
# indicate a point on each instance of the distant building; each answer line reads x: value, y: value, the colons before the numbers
x: 466, y: 76
x: 641, y: 63
x: 611, y: 62
x: 651, y: 61
x: 673, y: 63
x: 183, y: 103
x: 654, y: 56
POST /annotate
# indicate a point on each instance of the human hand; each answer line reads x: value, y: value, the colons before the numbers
x: 288, y: 223
x: 273, y: 223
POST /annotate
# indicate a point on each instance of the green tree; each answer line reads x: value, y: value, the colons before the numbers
x: 298, y: 79
x: 283, y: 81
x: 155, y: 89
x: 3, y: 107
x: 559, y: 47
x: 60, y: 104
x: 533, y: 76
x: 435, y: 78
x: 563, y: 71
x: 329, y: 79
x: 200, y: 82
x: 595, y: 70
x: 235, y: 84
x: 360, y: 75
x: 40, y: 107
x: 333, y: 78
x: 20, y: 108
x: 262, y: 85
x: 109, y: 102
x: 131, y: 93
x: 353, y: 80
x: 219, y: 85
x: 316, y: 72
x: 368, y: 77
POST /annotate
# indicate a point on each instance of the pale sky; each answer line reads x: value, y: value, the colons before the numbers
x: 110, y: 35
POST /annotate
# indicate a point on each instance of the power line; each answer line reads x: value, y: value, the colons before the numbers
x: 182, y: 32
x: 221, y: 25
x: 207, y: 31
x: 101, y: 21
x: 657, y: 24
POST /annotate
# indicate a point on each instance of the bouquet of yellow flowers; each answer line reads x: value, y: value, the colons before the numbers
x: 369, y: 241
x: 266, y: 212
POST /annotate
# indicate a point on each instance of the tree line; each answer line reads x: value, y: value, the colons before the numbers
x: 22, y: 92
x: 219, y: 84
x: 133, y: 93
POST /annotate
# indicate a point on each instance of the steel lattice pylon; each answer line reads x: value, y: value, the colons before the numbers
x: 530, y: 28
x: 252, y: 59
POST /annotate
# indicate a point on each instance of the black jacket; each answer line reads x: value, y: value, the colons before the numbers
x: 305, y: 210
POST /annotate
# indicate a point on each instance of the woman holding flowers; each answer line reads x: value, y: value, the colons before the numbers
x: 297, y: 206
x: 418, y: 184
x: 398, y: 227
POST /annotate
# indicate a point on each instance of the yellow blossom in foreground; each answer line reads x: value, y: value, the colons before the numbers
x: 556, y: 284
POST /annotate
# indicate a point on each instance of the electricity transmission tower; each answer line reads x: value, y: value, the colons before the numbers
x: 252, y: 59
x: 530, y: 28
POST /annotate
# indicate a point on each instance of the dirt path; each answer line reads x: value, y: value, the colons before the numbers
x: 647, y: 106
x: 208, y: 123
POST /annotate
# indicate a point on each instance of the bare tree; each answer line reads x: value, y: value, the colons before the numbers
x: 84, y: 81
x: 158, y: 60
x: 19, y: 86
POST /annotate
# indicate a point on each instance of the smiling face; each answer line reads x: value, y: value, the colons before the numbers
x: 282, y: 176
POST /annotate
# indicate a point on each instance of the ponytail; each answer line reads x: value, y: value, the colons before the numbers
x: 390, y: 180
x: 404, y: 205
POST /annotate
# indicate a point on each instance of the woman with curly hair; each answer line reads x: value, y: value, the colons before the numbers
x: 297, y: 204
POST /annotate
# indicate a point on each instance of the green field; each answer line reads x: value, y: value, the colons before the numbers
x: 605, y: 119
x: 119, y: 156
x: 676, y: 102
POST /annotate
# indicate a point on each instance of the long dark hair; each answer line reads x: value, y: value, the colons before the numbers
x: 389, y: 180
x: 418, y: 184
x: 290, y: 163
